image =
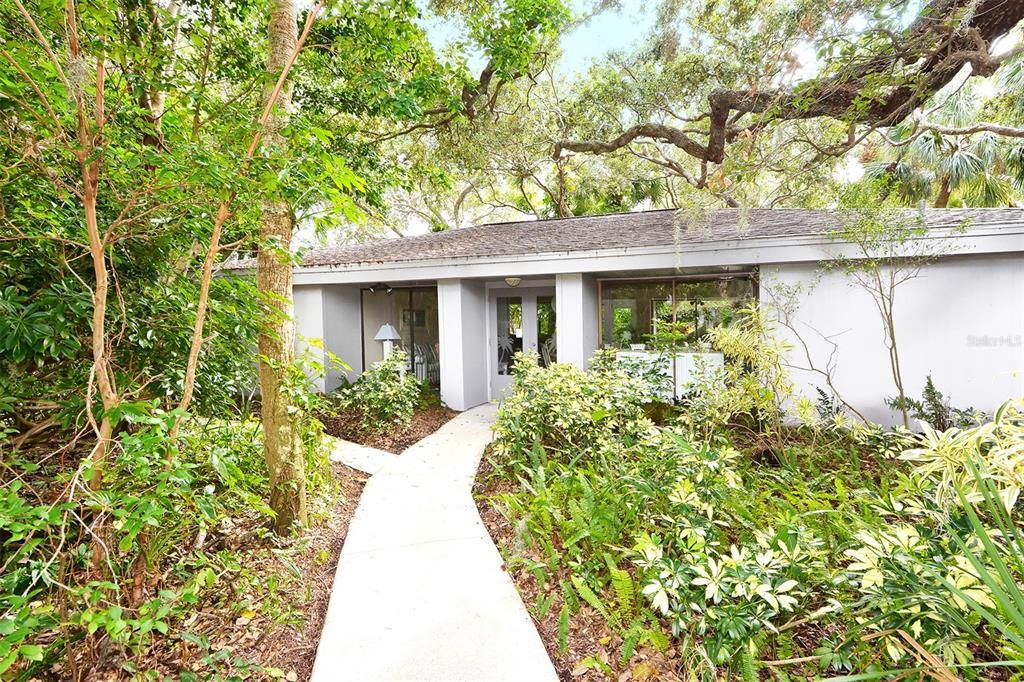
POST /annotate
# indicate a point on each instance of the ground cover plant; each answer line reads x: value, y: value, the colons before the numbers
x: 386, y: 407
x: 194, y: 580
x: 733, y: 538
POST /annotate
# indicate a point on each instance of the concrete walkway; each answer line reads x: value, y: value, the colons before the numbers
x: 419, y: 593
x: 366, y: 459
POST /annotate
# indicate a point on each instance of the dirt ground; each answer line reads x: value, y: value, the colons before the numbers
x: 424, y: 422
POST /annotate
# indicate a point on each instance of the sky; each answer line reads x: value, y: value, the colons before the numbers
x: 613, y: 29
x: 608, y: 31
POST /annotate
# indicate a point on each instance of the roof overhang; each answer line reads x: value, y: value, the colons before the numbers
x: 991, y: 238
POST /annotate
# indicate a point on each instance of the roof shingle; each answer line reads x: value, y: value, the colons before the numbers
x: 622, y: 231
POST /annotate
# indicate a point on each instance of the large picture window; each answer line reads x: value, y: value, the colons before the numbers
x: 669, y: 314
x: 413, y: 313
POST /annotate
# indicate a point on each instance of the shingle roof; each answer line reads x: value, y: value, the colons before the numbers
x: 623, y: 230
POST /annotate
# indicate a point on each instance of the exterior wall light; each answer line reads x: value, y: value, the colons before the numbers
x: 513, y: 281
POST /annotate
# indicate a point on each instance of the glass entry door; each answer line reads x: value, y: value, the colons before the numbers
x: 521, y: 320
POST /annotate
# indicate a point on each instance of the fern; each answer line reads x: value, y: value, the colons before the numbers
x: 748, y: 666
x: 629, y: 643
x: 589, y: 596
x: 569, y: 595
x: 657, y: 639
x: 625, y: 590
x: 563, y: 628
x: 544, y: 604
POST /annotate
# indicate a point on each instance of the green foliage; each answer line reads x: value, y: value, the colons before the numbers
x: 198, y: 489
x: 751, y: 385
x: 571, y: 412
x: 838, y: 545
x: 995, y: 561
x: 934, y: 409
x: 108, y: 547
x: 385, y: 396
x: 945, y: 458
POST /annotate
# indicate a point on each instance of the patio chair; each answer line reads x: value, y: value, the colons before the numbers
x: 548, y: 351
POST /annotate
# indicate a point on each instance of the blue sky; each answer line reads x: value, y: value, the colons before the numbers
x: 610, y: 30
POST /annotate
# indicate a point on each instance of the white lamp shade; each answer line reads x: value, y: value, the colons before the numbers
x: 387, y: 333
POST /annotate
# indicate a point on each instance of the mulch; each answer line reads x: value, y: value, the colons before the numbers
x: 292, y: 647
x: 589, y: 634
x: 424, y: 422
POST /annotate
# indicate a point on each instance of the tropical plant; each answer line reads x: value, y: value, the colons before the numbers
x: 569, y: 411
x: 993, y: 561
x: 853, y: 553
x: 945, y: 168
x: 752, y: 384
x: 946, y: 457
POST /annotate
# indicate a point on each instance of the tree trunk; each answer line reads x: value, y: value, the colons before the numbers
x: 942, y: 200
x: 281, y: 431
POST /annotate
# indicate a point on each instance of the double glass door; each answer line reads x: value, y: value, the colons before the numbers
x: 522, y: 320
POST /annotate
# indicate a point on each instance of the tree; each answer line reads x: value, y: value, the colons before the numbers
x: 369, y: 66
x: 282, y: 438
x: 972, y: 169
x: 737, y: 104
x: 889, y: 249
x: 497, y: 167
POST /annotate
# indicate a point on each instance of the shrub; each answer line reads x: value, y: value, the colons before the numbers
x: 751, y: 385
x: 839, y: 557
x: 934, y: 409
x: 944, y: 458
x: 172, y: 530
x: 385, y: 396
x: 570, y: 412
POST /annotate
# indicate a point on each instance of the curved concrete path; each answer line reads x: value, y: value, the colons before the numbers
x: 420, y: 593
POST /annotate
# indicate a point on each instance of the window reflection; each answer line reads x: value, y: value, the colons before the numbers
x: 546, y: 330
x: 413, y: 312
x: 669, y: 314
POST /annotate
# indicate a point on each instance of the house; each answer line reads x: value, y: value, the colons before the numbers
x: 464, y: 301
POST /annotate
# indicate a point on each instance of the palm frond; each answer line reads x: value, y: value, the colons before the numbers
x: 962, y: 166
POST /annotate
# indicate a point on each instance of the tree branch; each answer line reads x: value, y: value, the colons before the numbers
x: 948, y: 36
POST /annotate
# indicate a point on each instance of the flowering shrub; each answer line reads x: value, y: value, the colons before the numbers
x: 384, y: 396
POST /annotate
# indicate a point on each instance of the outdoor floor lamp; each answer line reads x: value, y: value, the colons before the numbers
x: 388, y: 335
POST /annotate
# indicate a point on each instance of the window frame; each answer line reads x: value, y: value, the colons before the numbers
x: 753, y: 275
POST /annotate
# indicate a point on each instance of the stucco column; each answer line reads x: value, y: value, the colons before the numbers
x: 576, y: 318
x: 462, y: 331
x: 328, y: 318
x: 343, y: 333
x: 309, y: 327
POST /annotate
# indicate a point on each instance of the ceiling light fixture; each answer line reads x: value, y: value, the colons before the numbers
x: 513, y: 281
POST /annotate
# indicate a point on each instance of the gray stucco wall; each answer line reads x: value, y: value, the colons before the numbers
x: 576, y: 318
x: 342, y: 332
x: 329, y: 313
x: 962, y: 321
